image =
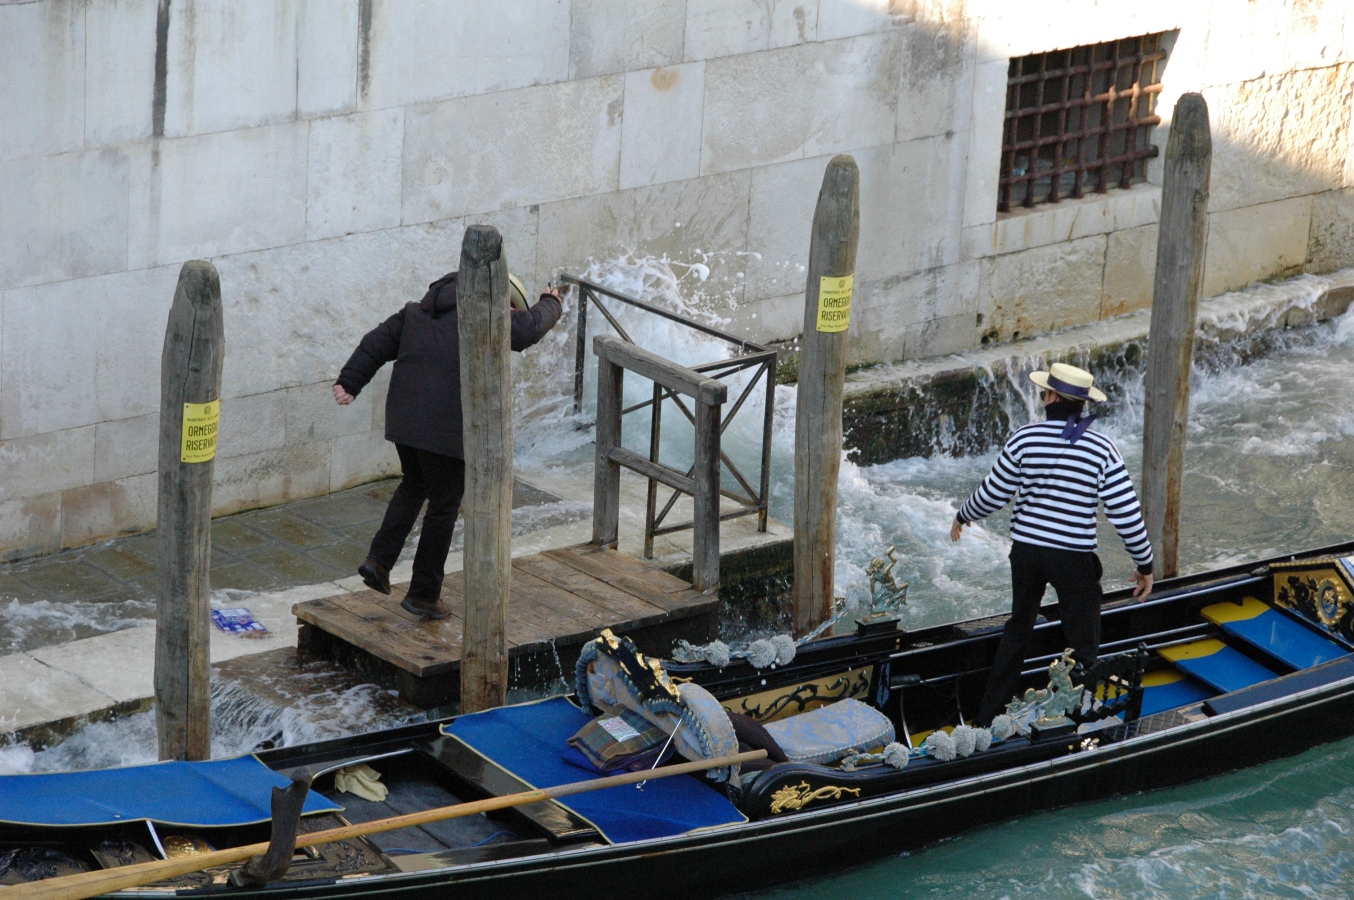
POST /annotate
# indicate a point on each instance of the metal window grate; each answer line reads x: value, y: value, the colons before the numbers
x: 1079, y: 120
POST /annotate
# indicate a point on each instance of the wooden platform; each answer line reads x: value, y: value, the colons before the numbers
x: 560, y: 599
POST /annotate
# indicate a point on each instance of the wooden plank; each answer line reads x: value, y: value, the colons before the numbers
x: 624, y: 608
x: 190, y: 373
x: 584, y: 617
x: 1175, y: 302
x: 659, y: 369
x: 705, y: 515
x: 650, y: 469
x: 606, y: 487
x: 656, y: 586
x: 486, y: 393
x: 373, y: 633
x: 822, y: 369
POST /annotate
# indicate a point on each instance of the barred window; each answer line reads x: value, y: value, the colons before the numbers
x: 1079, y: 120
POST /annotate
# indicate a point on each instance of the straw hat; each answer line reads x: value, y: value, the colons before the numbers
x: 1069, y: 381
x: 517, y: 293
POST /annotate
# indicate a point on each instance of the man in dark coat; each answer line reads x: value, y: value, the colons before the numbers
x: 423, y: 420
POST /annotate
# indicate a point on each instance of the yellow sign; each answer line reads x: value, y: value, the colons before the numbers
x: 201, y: 421
x: 834, y: 302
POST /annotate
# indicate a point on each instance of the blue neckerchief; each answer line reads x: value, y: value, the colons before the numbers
x: 1076, y: 427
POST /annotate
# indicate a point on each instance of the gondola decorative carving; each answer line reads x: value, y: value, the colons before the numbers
x: 770, y: 705
x: 1319, y: 595
x: 792, y: 797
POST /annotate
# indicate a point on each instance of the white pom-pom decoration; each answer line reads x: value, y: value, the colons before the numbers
x: 1002, y: 727
x: 761, y: 653
x: 983, y: 739
x: 717, y: 653
x: 896, y: 755
x: 964, y: 740
x: 785, y: 649
x: 940, y: 745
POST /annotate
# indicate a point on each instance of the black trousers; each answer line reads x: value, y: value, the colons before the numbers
x: 440, y: 480
x: 1075, y: 576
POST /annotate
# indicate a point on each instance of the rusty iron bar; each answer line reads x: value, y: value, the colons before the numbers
x: 1105, y: 115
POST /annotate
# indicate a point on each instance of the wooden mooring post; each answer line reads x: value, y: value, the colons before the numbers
x: 822, y: 369
x: 190, y: 412
x: 1170, y: 346
x: 486, y: 396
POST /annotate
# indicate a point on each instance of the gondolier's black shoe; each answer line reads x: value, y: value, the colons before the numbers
x: 375, y: 576
x: 433, y: 609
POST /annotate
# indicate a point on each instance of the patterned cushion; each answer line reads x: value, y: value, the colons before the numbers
x: 828, y: 733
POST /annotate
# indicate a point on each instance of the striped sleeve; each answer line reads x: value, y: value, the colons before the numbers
x: 996, y: 489
x: 1124, y: 512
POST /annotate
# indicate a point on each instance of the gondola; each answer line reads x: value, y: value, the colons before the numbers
x: 1212, y: 672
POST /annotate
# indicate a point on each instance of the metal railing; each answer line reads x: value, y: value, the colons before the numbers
x: 751, y: 499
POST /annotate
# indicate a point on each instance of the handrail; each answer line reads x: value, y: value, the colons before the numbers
x: 614, y: 357
x: 754, y: 494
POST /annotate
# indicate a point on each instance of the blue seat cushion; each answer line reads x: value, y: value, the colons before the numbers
x: 828, y: 733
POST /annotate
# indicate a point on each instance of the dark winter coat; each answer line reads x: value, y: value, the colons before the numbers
x: 423, y: 408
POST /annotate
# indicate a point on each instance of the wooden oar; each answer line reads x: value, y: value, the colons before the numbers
x: 102, y: 881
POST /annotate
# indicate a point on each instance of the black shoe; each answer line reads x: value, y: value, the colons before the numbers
x: 433, y: 609
x: 375, y: 576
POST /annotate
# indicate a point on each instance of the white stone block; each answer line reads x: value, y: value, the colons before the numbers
x: 1130, y: 270
x: 132, y: 679
x: 93, y: 512
x: 985, y: 131
x: 326, y: 57
x: 768, y: 319
x: 119, y: 71
x: 1040, y: 290
x: 269, y: 478
x: 253, y: 424
x: 1005, y: 30
x: 133, y: 313
x: 804, y: 101
x: 354, y: 178
x: 780, y: 219
x: 42, y: 78
x: 1319, y: 34
x: 908, y: 215
x: 358, y: 458
x: 48, y: 362
x: 1245, y: 40
x: 36, y: 693
x: 1278, y: 137
x: 608, y: 36
x: 217, y: 194
x: 730, y: 27
x: 126, y: 447
x: 887, y: 313
x: 1256, y: 243
x: 699, y: 226
x: 231, y: 65
x: 30, y: 526
x: 512, y: 148
x: 935, y: 82
x: 1330, y: 244
x: 63, y: 216
x: 1052, y: 223
x: 313, y: 414
x: 851, y: 18
x: 661, y: 129
x: 42, y: 463
x: 431, y: 49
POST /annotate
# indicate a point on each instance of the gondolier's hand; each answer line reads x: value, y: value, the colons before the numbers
x: 342, y: 396
x: 957, y: 528
x: 1144, y: 585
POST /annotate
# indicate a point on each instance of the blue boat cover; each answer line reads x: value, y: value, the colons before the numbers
x: 198, y: 794
x: 1216, y: 664
x: 1169, y: 693
x: 1288, y: 641
x: 529, y: 740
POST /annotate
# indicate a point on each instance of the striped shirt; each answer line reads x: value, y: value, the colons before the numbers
x: 1058, y: 486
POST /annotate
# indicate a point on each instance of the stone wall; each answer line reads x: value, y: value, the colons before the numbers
x: 327, y: 155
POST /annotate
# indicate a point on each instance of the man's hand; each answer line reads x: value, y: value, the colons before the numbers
x: 1144, y: 585
x: 342, y: 397
x: 957, y: 528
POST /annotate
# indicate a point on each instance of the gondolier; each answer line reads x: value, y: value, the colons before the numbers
x: 1059, y: 471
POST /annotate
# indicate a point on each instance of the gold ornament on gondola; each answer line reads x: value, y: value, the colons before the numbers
x: 792, y: 797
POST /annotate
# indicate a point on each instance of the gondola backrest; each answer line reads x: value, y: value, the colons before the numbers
x: 1320, y: 591
x: 1116, y: 683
